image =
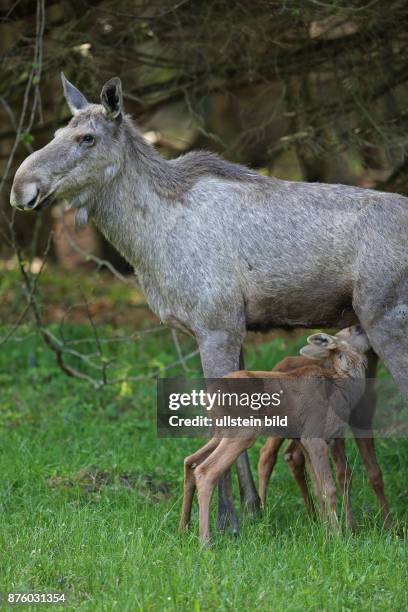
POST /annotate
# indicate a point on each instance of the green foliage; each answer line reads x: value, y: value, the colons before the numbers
x: 27, y: 139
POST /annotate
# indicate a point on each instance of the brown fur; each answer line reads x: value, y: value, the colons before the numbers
x: 269, y: 452
x: 208, y: 464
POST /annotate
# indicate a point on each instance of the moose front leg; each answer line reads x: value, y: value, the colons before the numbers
x: 227, y: 517
x: 221, y: 354
x: 250, y: 500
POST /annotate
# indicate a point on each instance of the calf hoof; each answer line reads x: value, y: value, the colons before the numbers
x: 206, y: 542
x: 183, y: 527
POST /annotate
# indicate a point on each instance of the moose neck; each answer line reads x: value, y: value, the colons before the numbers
x: 130, y: 210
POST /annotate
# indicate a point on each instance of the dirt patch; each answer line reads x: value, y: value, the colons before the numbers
x: 95, y: 481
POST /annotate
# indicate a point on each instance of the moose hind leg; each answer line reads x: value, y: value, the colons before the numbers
x: 369, y: 458
x: 361, y: 425
x: 386, y: 326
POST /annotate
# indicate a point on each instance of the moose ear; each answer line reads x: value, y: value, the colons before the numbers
x: 111, y: 98
x: 76, y: 101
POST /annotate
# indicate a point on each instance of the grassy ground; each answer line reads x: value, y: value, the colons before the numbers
x: 90, y: 499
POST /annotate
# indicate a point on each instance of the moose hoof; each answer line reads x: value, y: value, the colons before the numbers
x: 227, y: 522
x: 251, y: 507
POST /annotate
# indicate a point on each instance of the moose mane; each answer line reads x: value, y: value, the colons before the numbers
x: 173, y: 178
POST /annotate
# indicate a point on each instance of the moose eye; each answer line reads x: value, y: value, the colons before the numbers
x: 88, y: 139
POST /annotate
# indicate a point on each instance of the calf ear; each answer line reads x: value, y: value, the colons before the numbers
x: 323, y: 340
x: 75, y: 100
x: 312, y: 351
x: 111, y: 98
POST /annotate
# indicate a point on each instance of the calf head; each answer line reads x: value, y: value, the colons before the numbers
x: 344, y: 351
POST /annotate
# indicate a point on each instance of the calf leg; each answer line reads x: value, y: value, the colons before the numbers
x: 190, y: 463
x: 295, y: 459
x: 344, y: 478
x: 267, y: 460
x: 211, y: 470
x: 317, y: 451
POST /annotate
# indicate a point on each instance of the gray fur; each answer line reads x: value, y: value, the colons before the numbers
x: 219, y: 249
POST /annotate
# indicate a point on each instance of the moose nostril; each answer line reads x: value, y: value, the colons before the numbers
x: 32, y: 202
x: 24, y: 194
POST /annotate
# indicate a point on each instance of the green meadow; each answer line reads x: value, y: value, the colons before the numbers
x: 90, y: 499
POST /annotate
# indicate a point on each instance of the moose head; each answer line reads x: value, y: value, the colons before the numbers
x: 81, y: 158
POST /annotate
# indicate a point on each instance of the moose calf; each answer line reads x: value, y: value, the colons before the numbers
x: 335, y: 360
x: 296, y: 459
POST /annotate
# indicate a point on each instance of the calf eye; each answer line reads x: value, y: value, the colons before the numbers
x: 88, y: 139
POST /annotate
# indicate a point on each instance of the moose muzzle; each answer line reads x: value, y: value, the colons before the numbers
x: 28, y: 191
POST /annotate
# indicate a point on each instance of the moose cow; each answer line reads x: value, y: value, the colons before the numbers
x: 219, y: 249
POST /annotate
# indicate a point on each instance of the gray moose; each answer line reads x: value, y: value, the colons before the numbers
x: 219, y: 249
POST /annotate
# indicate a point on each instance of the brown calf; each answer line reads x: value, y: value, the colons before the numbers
x: 333, y: 358
x: 296, y: 460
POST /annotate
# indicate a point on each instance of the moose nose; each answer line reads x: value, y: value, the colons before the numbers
x: 24, y: 197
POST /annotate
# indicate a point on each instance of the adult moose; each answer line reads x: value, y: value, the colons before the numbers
x: 219, y: 249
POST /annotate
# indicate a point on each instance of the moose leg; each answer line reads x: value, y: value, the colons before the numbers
x: 250, y: 502
x: 344, y: 477
x: 267, y: 460
x: 318, y: 453
x: 220, y: 355
x: 362, y: 420
x: 227, y: 517
x: 295, y: 459
x: 385, y: 320
x: 210, y: 471
x: 369, y: 458
x: 190, y: 463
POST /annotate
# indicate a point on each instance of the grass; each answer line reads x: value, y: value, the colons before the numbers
x: 90, y: 499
